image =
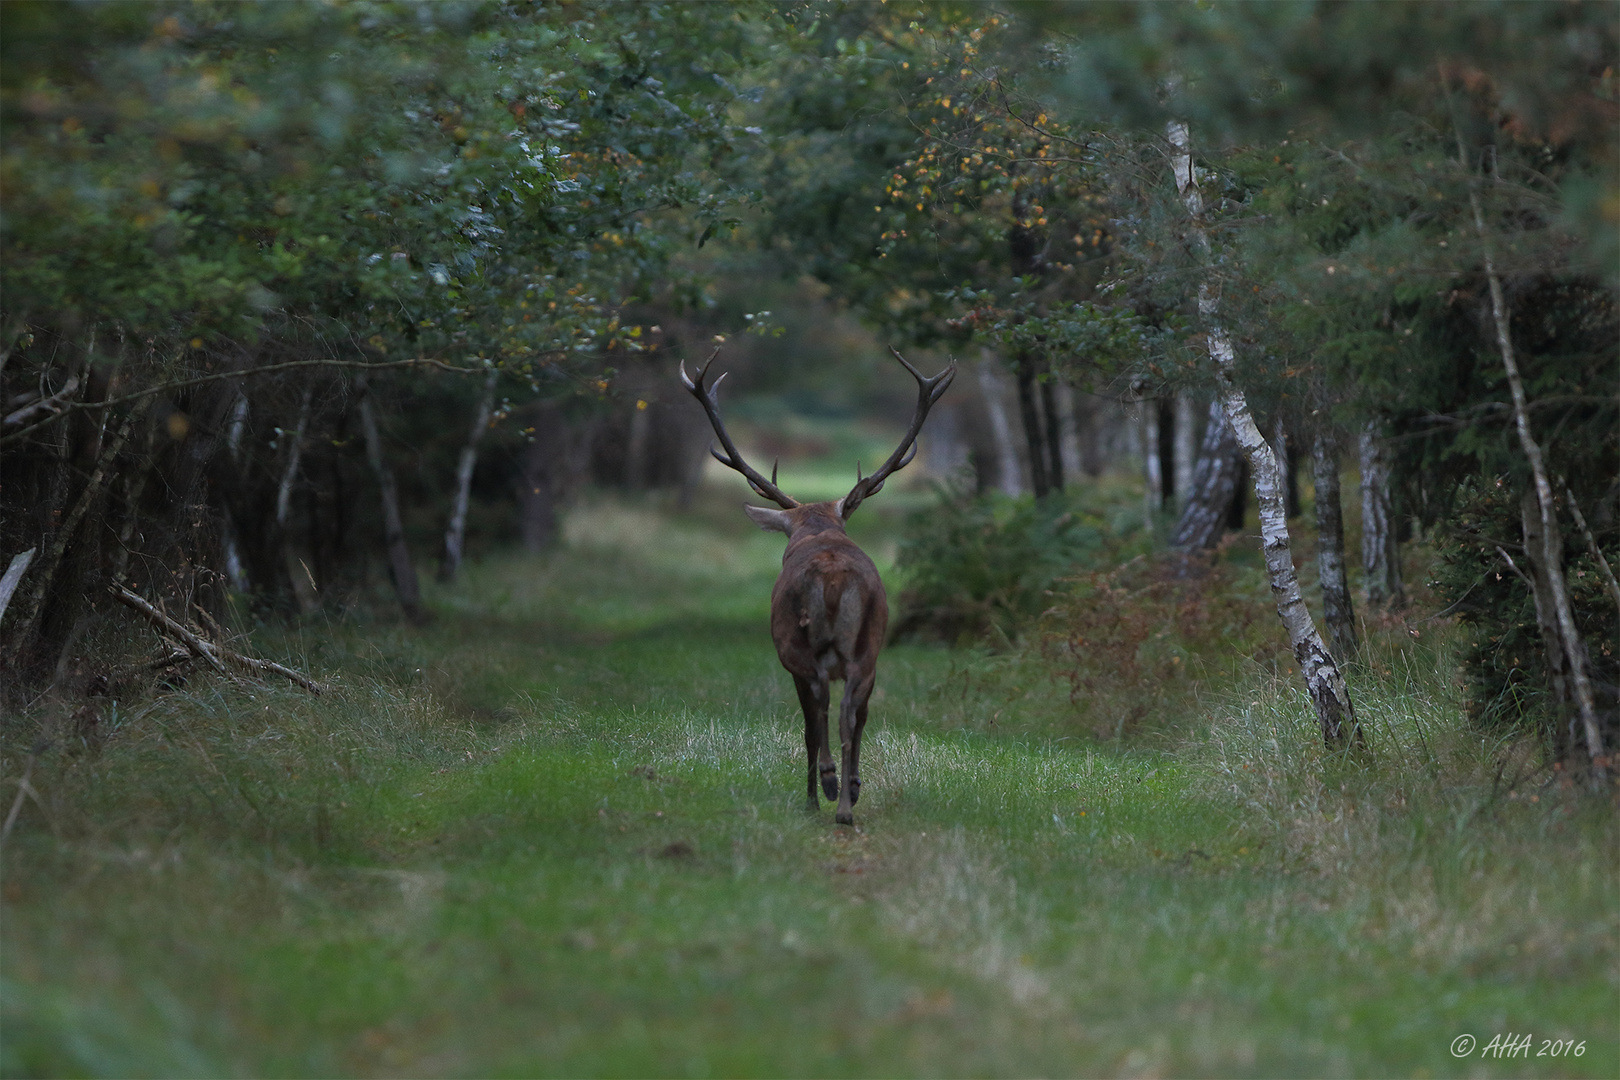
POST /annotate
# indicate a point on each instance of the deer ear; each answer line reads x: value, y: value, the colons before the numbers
x: 769, y: 520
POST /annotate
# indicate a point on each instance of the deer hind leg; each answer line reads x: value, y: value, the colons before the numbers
x: 813, y: 695
x: 851, y: 723
x: 862, y: 697
x: 851, y: 720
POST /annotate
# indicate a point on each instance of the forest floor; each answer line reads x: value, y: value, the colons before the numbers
x: 560, y: 831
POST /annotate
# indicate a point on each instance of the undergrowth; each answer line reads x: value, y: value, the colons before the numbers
x: 560, y: 831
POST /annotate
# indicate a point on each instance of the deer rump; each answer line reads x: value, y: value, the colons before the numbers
x: 819, y: 613
x: 829, y: 615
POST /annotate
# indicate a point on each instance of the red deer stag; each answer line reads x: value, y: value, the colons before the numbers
x: 829, y: 614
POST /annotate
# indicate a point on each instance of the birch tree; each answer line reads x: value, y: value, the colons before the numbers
x: 1323, y: 682
x: 1549, y: 552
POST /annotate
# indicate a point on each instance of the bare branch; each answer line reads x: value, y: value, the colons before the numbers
x: 268, y: 369
x: 214, y: 655
x: 52, y: 404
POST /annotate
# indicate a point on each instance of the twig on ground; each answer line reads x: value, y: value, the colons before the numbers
x: 216, y: 656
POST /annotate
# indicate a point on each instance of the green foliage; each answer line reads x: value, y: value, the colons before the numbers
x: 422, y: 176
x: 982, y: 568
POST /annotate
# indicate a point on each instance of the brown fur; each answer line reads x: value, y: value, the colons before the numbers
x: 828, y: 611
x: 829, y: 616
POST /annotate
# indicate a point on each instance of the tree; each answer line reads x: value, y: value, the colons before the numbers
x: 211, y: 211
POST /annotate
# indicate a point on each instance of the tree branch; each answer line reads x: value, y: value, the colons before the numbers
x: 268, y: 369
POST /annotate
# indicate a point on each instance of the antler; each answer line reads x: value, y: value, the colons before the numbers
x: 708, y: 398
x: 928, y: 392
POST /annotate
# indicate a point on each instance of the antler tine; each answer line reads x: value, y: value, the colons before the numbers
x: 708, y: 397
x: 929, y: 390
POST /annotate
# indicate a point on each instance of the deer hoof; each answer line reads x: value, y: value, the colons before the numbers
x: 844, y: 817
x: 812, y: 804
x: 829, y: 782
x: 854, y: 790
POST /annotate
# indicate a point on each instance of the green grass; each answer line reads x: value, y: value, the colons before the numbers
x: 560, y: 832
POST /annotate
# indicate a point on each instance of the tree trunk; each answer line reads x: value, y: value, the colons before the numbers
x: 399, y: 556
x: 1337, y: 611
x: 1068, y: 431
x: 1552, y: 642
x: 135, y: 479
x: 1574, y: 649
x: 1186, y: 445
x: 456, y: 533
x: 1024, y: 373
x: 635, y: 449
x: 1380, y: 551
x: 1147, y: 414
x: 995, y: 406
x: 537, y: 498
x: 29, y: 617
x: 1323, y: 682
x: 1215, y: 478
x: 293, y: 554
x: 230, y: 542
x: 1285, y: 456
x: 1054, y: 435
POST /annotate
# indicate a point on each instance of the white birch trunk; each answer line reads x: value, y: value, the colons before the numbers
x: 1147, y: 413
x: 1552, y: 547
x: 1323, y: 681
x: 1574, y: 648
x: 1380, y: 553
x: 455, y: 534
x: 1337, y: 610
x: 1010, y: 475
x: 298, y: 572
x: 14, y: 575
x: 230, y: 542
x: 1186, y: 447
x: 295, y: 450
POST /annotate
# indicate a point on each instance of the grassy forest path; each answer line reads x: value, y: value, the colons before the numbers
x: 560, y: 832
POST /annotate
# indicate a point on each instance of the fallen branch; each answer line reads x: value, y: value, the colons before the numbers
x: 216, y: 656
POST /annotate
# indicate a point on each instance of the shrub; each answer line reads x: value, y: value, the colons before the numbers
x: 1133, y: 639
x: 980, y: 568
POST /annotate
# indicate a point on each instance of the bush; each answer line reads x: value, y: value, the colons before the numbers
x: 981, y: 568
x: 1134, y: 640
